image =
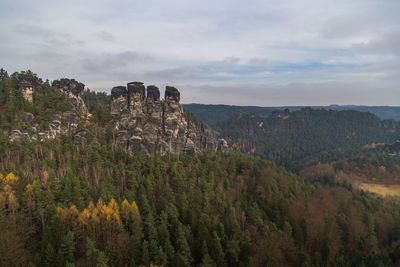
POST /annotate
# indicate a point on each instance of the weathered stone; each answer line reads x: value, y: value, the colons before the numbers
x: 67, y: 123
x: 172, y: 94
x: 119, y: 101
x: 74, y: 90
x: 222, y: 145
x: 80, y: 137
x: 189, y: 146
x: 136, y: 98
x: 55, y: 128
x: 143, y: 123
x: 27, y: 82
x: 154, y: 126
x: 153, y: 93
x: 27, y: 93
x: 69, y: 86
x: 16, y: 135
x: 154, y: 108
x: 118, y: 91
x: 43, y: 135
x: 135, y: 144
x: 27, y: 117
x: 281, y: 114
x: 137, y: 88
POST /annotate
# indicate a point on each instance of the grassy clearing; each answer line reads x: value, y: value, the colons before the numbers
x: 382, y: 190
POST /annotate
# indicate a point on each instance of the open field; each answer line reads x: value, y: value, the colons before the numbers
x: 382, y: 190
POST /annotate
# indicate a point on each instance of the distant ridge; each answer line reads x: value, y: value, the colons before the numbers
x: 211, y: 114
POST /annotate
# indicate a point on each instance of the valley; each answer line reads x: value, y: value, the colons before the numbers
x: 90, y: 179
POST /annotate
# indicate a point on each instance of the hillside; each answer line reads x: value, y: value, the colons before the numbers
x: 212, y: 114
x: 136, y: 117
x: 300, y: 138
x: 88, y: 179
x: 61, y: 204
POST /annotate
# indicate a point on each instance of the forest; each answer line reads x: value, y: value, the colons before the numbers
x: 65, y: 204
x: 62, y: 205
x: 212, y: 114
x: 308, y: 136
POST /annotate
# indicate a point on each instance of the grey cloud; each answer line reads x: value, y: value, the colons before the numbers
x: 33, y: 30
x: 193, y: 71
x: 106, y: 36
x: 259, y: 61
x: 106, y: 61
x: 386, y: 44
x: 43, y: 37
x: 386, y: 72
x: 172, y: 73
x: 292, y: 94
x: 183, y: 42
x: 220, y: 65
x: 343, y: 26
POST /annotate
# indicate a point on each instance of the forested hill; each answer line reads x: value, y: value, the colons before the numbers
x: 92, y: 203
x: 63, y: 205
x: 300, y: 138
x: 139, y: 120
x: 212, y: 114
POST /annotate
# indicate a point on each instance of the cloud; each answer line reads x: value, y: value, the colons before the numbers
x: 259, y: 61
x: 277, y: 47
x: 195, y: 71
x: 386, y: 44
x: 106, y: 61
x: 106, y: 36
x: 292, y: 94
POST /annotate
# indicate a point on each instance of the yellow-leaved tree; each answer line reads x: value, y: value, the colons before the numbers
x: 7, y: 193
x: 100, y: 222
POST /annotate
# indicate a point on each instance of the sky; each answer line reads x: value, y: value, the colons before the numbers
x: 264, y: 53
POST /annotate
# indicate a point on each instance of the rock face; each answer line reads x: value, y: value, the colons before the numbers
x: 141, y: 121
x: 60, y: 124
x: 281, y: 114
x: 74, y: 91
x: 27, y: 82
x: 148, y: 125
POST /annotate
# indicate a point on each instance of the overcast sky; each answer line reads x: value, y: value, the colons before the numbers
x: 265, y: 53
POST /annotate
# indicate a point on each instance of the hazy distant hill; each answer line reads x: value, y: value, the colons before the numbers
x: 299, y: 138
x: 212, y: 114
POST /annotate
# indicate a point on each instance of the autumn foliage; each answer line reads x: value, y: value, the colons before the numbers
x: 209, y: 210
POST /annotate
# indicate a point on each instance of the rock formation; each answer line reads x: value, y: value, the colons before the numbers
x: 74, y: 91
x: 146, y: 124
x: 61, y: 123
x: 141, y: 121
x: 27, y: 82
x: 281, y: 114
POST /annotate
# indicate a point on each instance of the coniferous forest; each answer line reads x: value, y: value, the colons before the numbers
x: 306, y: 137
x: 64, y: 204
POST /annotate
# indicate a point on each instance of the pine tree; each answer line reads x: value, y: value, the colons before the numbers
x: 49, y: 257
x: 145, y: 254
x: 68, y: 247
x: 217, y: 252
x: 207, y: 261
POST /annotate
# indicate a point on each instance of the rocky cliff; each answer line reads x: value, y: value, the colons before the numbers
x: 146, y: 124
x: 64, y: 123
x: 141, y: 121
x: 26, y: 83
